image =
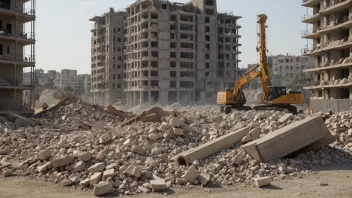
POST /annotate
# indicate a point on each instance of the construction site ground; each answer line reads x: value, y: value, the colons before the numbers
x: 337, y: 178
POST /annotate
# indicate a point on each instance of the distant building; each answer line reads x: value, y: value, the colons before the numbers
x: 87, y: 83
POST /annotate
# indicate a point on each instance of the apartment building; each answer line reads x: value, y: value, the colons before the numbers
x: 291, y: 67
x: 87, y: 83
x: 330, y: 34
x: 176, y: 52
x: 107, y: 57
x: 17, y: 52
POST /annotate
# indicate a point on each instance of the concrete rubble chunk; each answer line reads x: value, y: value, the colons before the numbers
x: 289, y: 139
x: 95, y: 178
x: 286, y: 117
x: 178, y: 131
x: 191, y: 174
x: 204, y: 179
x: 61, y: 161
x: 158, y: 185
x: 262, y: 181
x: 175, y: 122
x: 66, y: 182
x: 43, y: 155
x: 104, y: 138
x: 103, y: 188
x: 134, y: 170
x: 79, y: 166
x: 109, y: 173
x: 98, y: 167
x: 111, y: 166
x: 45, y: 167
x: 99, y: 125
x: 144, y: 189
x: 84, y: 182
x: 84, y: 156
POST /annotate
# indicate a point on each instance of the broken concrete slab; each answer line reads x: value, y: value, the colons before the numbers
x: 158, y: 185
x: 286, y: 117
x: 103, y: 188
x: 178, y: 131
x: 288, y: 139
x: 84, y: 156
x: 204, y: 179
x: 43, y: 155
x: 262, y: 181
x: 134, y: 170
x: 45, y: 167
x: 109, y: 173
x: 61, y: 161
x: 212, y: 147
x: 191, y: 174
x: 95, y: 178
x: 79, y: 166
x: 98, y: 167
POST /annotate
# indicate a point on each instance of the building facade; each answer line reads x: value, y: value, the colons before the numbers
x: 331, y: 45
x: 107, y: 57
x: 17, y: 51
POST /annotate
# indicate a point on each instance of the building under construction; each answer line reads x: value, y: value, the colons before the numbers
x: 17, y: 52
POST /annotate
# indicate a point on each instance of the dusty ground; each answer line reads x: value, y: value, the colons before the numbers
x: 337, y: 177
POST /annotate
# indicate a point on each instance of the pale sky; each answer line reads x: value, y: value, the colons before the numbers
x: 63, y: 29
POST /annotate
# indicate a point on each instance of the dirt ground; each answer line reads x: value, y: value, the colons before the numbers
x: 337, y: 177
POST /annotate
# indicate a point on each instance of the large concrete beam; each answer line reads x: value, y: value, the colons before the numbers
x: 212, y: 147
x: 310, y: 133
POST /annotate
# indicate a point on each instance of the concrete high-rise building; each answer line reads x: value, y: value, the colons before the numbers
x: 87, y: 83
x: 107, y: 57
x: 331, y: 44
x: 171, y: 52
x: 177, y: 52
x: 17, y: 51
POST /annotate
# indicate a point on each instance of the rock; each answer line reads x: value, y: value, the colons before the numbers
x: 191, y: 174
x: 238, y: 159
x: 98, y: 167
x: 44, y: 168
x: 103, y: 188
x: 149, y: 161
x: 79, y: 166
x: 75, y: 180
x: 254, y: 133
x: 134, y: 170
x: 61, y: 161
x: 84, y: 156
x: 111, y: 166
x: 347, y: 125
x: 8, y: 173
x: 99, y: 125
x: 95, y: 178
x: 43, y: 155
x: 204, y: 179
x: 286, y: 117
x: 178, y: 131
x: 101, y: 156
x: 283, y: 176
x: 66, y: 182
x: 262, y: 181
x: 179, y: 139
x: 144, y: 189
x: 109, y: 173
x: 175, y: 122
x: 158, y: 185
x: 104, y: 139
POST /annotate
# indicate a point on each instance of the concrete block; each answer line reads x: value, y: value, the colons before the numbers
x: 98, y: 167
x: 109, y: 173
x: 103, y: 188
x: 44, y: 168
x: 204, y: 179
x: 262, y: 181
x: 288, y: 139
x: 191, y: 174
x: 84, y: 182
x: 212, y: 147
x: 66, y: 182
x: 84, y: 156
x: 79, y: 166
x: 178, y: 131
x: 158, y: 185
x: 144, y: 189
x: 95, y: 178
x: 43, y: 155
x: 175, y: 122
x: 111, y: 166
x: 134, y: 170
x: 61, y: 161
x: 151, y: 118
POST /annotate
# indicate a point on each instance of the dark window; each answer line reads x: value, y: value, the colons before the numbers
x: 207, y: 29
x: 207, y: 19
x: 119, y: 39
x: 173, y: 84
x: 164, y: 6
x: 207, y: 65
x: 173, y: 64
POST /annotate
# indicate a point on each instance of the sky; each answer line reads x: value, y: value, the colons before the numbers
x: 64, y: 38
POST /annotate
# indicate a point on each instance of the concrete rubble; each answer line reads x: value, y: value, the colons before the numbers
x: 139, y: 157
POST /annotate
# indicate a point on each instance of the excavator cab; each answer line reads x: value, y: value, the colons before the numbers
x: 276, y: 92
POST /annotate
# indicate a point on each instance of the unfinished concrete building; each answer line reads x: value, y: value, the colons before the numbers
x: 107, y: 58
x: 17, y: 51
x: 177, y: 52
x: 330, y: 33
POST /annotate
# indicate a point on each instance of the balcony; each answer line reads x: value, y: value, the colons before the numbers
x: 333, y: 64
x: 310, y: 3
x: 341, y: 23
x: 311, y: 33
x: 328, y: 9
x: 24, y: 14
x: 21, y: 37
x: 308, y: 18
x: 23, y: 60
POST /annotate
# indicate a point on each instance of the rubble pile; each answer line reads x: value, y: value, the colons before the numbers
x: 4, y: 82
x: 138, y: 157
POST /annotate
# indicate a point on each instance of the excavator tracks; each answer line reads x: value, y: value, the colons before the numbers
x: 284, y: 108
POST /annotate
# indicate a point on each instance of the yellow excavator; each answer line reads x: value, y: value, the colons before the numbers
x: 273, y: 98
